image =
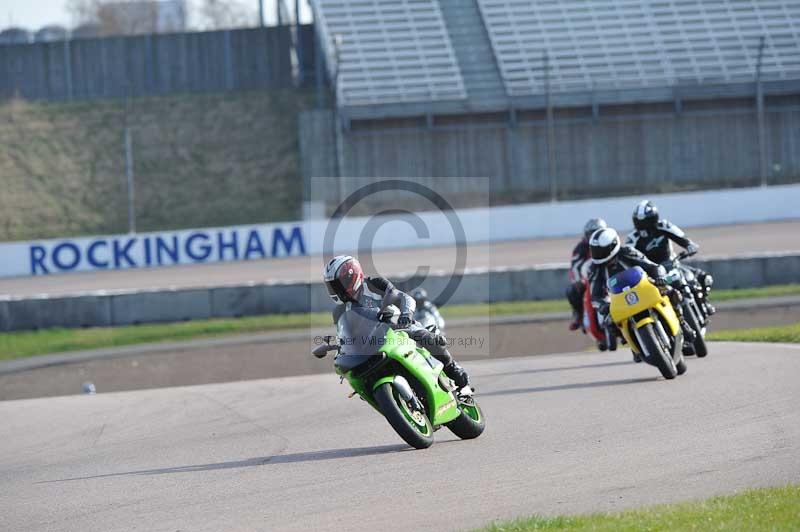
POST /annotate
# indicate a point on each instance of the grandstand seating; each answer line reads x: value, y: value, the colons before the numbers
x: 388, y: 51
x: 605, y: 44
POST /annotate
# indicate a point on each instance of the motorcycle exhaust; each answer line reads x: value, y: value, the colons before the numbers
x: 403, y: 388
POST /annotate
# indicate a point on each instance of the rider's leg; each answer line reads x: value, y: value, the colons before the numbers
x: 574, y: 295
x: 436, y: 344
x: 705, y: 281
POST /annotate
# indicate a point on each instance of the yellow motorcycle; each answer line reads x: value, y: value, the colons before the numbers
x: 647, y: 321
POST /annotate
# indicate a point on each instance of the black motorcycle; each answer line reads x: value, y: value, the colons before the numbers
x: 694, y: 303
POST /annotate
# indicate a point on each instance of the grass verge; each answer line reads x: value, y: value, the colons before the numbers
x: 23, y: 344
x: 781, y: 334
x: 751, y: 510
x: 20, y: 344
x: 777, y: 290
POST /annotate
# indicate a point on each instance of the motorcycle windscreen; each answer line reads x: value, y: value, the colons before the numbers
x: 360, y: 336
x: 625, y: 280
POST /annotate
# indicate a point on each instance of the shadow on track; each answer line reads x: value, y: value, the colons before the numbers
x: 310, y: 456
x: 558, y: 368
x: 572, y: 386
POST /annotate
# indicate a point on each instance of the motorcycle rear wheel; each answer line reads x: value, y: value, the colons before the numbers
x: 470, y: 423
x: 413, y: 426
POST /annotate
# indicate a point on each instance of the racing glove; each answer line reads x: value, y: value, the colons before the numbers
x: 692, y: 248
x: 660, y: 281
x: 404, y: 321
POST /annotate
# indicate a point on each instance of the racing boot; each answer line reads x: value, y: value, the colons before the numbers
x: 576, y: 321
x: 458, y: 374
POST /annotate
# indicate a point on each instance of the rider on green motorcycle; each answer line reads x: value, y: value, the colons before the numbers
x: 348, y: 287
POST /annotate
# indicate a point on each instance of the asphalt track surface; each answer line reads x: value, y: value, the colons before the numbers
x: 566, y: 434
x: 286, y: 354
x: 722, y: 240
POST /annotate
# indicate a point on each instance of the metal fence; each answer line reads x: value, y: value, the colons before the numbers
x: 115, y: 67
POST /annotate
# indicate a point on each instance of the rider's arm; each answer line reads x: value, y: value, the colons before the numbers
x: 632, y: 239
x: 392, y: 296
x: 577, y: 262
x: 633, y: 257
x: 337, y: 313
x: 676, y: 234
x: 597, y: 285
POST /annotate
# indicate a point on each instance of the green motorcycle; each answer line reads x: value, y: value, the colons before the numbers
x: 403, y: 382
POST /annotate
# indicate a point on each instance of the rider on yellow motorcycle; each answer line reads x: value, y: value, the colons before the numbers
x: 610, y: 257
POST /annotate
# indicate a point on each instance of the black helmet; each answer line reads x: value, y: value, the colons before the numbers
x: 593, y: 225
x: 645, y: 216
x: 604, y: 245
x: 420, y: 295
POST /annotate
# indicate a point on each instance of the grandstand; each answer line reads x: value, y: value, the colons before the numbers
x: 392, y: 51
x: 389, y: 51
x: 645, y: 94
x: 633, y: 43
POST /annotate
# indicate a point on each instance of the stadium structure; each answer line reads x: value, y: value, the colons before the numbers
x: 560, y: 98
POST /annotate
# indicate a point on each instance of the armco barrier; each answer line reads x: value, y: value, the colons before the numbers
x: 161, y: 306
x: 544, y: 282
x: 237, y: 301
x: 89, y: 310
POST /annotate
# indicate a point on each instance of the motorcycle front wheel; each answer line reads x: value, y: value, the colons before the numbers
x: 410, y: 424
x: 700, y: 347
x: 656, y: 354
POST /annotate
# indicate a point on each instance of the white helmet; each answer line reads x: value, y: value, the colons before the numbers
x: 604, y: 245
x: 343, y: 277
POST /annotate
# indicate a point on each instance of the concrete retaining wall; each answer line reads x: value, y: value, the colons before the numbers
x: 546, y: 282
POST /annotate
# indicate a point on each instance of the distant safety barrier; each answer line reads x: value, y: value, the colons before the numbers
x: 101, y: 309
